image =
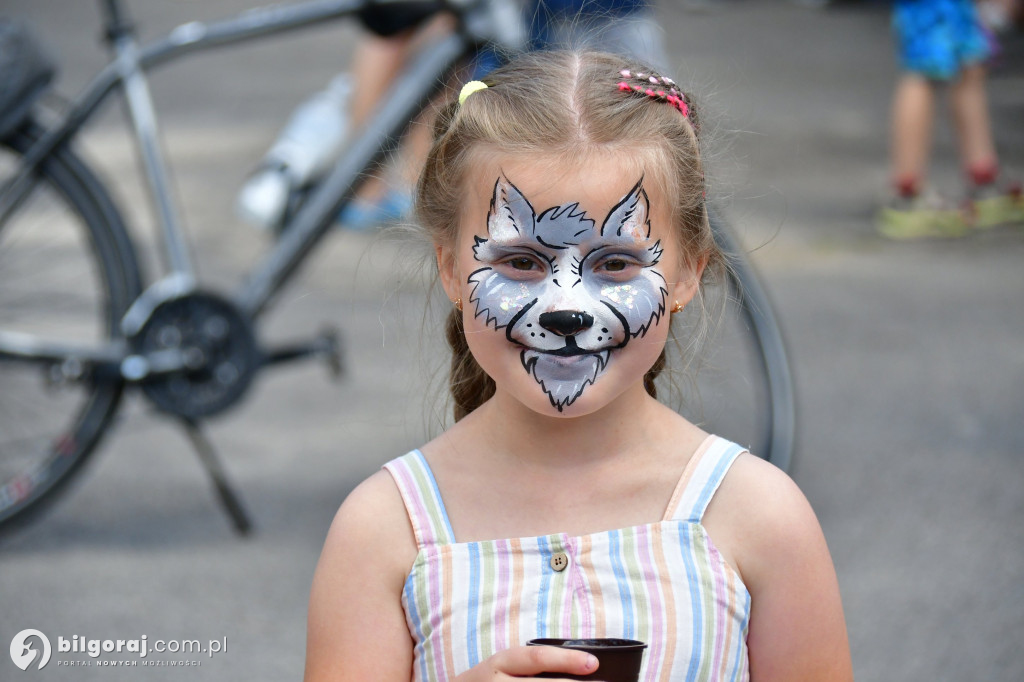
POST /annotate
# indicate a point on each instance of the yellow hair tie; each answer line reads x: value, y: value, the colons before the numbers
x: 469, y: 88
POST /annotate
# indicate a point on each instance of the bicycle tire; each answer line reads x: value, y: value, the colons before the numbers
x: 757, y: 310
x: 67, y: 270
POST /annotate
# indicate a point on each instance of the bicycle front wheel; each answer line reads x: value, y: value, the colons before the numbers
x: 67, y: 274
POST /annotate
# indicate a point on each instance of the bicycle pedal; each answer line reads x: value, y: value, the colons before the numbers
x: 326, y: 345
x: 332, y: 352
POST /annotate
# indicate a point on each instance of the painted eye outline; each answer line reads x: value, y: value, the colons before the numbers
x: 630, y: 266
x: 537, y: 267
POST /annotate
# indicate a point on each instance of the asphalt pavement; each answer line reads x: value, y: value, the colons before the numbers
x: 908, y: 359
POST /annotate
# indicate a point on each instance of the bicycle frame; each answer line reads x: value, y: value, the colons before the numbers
x: 128, y: 69
x: 125, y: 358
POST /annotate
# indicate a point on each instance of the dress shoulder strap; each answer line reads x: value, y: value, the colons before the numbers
x: 703, y: 474
x: 422, y: 499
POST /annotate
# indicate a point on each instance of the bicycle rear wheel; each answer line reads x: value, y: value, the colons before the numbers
x: 780, y: 437
x: 743, y: 389
x: 67, y: 273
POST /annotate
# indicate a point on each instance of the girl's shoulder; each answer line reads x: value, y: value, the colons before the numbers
x: 356, y: 624
x: 760, y: 520
x: 774, y: 540
x: 372, y: 522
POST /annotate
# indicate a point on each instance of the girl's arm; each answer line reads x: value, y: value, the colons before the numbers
x: 797, y: 630
x: 356, y: 629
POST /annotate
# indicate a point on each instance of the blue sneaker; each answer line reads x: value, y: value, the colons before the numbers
x: 361, y: 215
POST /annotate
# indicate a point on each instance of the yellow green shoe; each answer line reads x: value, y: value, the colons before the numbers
x: 920, y: 217
x: 993, y: 209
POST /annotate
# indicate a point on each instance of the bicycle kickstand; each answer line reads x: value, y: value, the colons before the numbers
x: 229, y: 499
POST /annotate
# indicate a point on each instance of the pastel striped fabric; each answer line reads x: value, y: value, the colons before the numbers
x: 663, y: 583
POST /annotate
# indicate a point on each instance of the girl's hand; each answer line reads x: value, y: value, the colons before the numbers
x: 527, y: 661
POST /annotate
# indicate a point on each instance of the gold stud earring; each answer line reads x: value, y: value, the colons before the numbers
x: 677, y: 307
x: 458, y: 304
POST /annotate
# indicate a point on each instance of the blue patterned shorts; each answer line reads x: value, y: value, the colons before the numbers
x: 937, y: 38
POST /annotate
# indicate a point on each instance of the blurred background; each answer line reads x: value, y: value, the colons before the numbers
x: 908, y: 357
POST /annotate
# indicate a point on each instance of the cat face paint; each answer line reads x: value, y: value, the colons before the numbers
x: 569, y: 293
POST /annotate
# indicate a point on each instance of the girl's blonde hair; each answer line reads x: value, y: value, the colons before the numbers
x: 568, y: 104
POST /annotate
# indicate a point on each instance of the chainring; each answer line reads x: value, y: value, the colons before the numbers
x: 219, y: 349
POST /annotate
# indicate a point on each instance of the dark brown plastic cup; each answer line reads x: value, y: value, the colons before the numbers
x: 619, y: 659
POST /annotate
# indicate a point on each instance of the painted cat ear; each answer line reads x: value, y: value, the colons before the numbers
x: 511, y: 215
x: 629, y: 218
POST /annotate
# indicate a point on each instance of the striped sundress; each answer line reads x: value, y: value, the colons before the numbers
x: 662, y: 583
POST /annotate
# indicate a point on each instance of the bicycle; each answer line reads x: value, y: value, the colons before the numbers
x: 193, y: 352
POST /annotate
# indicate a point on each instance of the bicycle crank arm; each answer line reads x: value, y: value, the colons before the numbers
x: 140, y: 367
x: 326, y: 345
x: 70, y: 359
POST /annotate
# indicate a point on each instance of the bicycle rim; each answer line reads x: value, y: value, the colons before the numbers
x: 758, y: 312
x: 739, y: 383
x: 61, y: 278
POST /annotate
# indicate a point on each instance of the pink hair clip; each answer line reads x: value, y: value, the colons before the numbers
x: 670, y: 94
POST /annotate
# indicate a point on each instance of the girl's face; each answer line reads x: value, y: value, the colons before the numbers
x: 567, y: 273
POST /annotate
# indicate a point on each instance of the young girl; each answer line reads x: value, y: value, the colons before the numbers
x: 565, y: 199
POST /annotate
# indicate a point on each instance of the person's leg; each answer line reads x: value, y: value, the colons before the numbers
x: 991, y: 200
x: 912, y: 214
x: 969, y: 104
x: 913, y: 110
x: 990, y: 203
x: 375, y: 64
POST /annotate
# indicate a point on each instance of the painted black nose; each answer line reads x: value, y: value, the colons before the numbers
x: 566, y: 322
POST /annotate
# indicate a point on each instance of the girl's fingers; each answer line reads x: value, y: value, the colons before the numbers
x: 526, y: 661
